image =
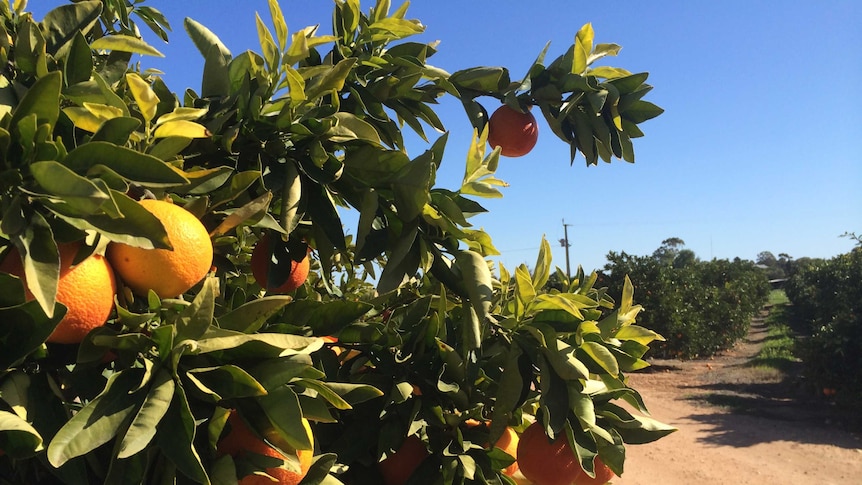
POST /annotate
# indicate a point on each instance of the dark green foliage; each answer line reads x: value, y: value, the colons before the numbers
x: 701, y: 308
x: 826, y: 299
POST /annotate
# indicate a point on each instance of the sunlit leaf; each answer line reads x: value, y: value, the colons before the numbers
x: 125, y: 43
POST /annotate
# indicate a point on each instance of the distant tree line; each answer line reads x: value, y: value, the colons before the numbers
x: 700, y: 307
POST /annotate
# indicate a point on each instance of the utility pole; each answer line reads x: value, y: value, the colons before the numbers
x: 565, y: 243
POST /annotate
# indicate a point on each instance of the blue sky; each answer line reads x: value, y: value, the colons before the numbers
x: 756, y: 150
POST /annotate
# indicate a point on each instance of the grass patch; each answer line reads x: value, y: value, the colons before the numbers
x: 780, y: 343
x: 777, y: 297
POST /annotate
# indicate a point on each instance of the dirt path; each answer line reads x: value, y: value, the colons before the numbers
x: 739, y: 425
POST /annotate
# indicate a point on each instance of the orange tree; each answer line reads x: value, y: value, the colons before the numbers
x: 274, y: 145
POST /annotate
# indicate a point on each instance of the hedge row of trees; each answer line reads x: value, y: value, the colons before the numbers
x: 700, y: 307
x: 826, y: 299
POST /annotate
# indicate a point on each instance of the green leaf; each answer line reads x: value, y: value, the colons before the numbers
x: 325, y: 318
x: 355, y: 393
x: 216, y: 80
x: 125, y: 43
x: 266, y: 344
x: 42, y: 100
x: 62, y: 24
x: 267, y: 44
x: 79, y: 61
x: 226, y: 382
x: 138, y: 227
x: 542, y: 270
x: 481, y: 79
x: 17, y: 437
x: 641, y: 111
x: 197, y: 318
x: 477, y: 281
x: 142, y: 430
x: 350, y: 127
x: 137, y: 167
x: 99, y: 421
x: 175, y: 436
x: 601, y: 356
x: 285, y: 414
x: 524, y: 288
x: 331, y: 80
x: 204, y: 39
x: 412, y: 188
x: 41, y: 262
x: 117, y: 130
x: 250, y: 317
x: 80, y: 193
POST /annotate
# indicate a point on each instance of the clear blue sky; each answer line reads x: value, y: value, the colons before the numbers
x: 757, y: 150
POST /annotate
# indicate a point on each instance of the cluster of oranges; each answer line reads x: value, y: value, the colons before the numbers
x: 87, y: 288
x: 539, y: 460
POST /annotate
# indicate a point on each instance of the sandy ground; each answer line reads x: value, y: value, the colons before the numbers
x: 759, y: 436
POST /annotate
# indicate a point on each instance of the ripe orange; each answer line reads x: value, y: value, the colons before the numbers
x: 241, y: 440
x: 508, y: 443
x: 545, y: 462
x: 514, y: 132
x: 398, y: 467
x: 603, y: 475
x: 168, y: 273
x: 260, y: 259
x: 87, y: 289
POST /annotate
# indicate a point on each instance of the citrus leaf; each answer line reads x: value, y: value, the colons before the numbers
x: 285, y: 414
x: 226, y: 382
x: 351, y: 127
x: 542, y: 270
x: 142, y: 430
x: 42, y: 100
x: 62, y: 24
x: 331, y: 80
x: 17, y: 437
x: 25, y: 328
x: 144, y: 95
x: 197, y: 318
x: 99, y: 421
x: 175, y: 437
x: 250, y: 317
x: 138, y: 227
x: 116, y: 130
x: 181, y: 128
x: 79, y: 192
x: 267, y: 344
x: 79, y: 61
x: 41, y: 262
x: 137, y: 167
x: 601, y: 356
x: 477, y: 281
x: 203, y: 38
x: 125, y: 43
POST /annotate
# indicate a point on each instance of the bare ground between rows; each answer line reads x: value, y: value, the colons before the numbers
x: 742, y: 424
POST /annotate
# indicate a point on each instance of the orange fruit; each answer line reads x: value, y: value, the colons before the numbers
x: 545, y: 462
x: 87, y: 289
x: 514, y: 132
x: 260, y: 259
x: 169, y: 273
x: 241, y: 440
x: 398, y: 467
x: 508, y: 443
x: 603, y: 474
